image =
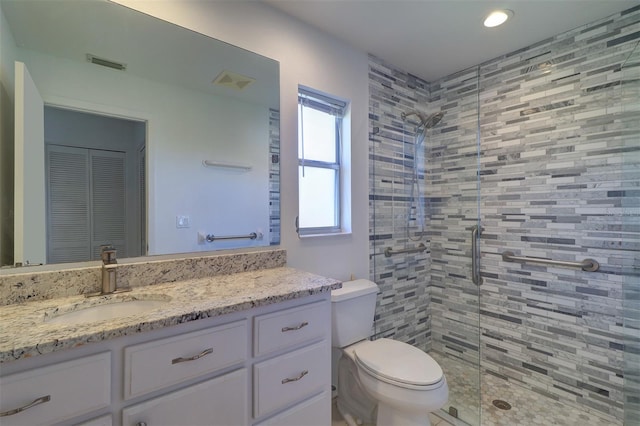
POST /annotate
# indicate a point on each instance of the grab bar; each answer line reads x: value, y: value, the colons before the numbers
x: 475, y: 265
x: 388, y: 252
x: 252, y: 236
x: 588, y: 265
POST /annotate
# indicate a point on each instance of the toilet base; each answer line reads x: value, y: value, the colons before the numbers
x: 352, y: 399
x: 389, y: 416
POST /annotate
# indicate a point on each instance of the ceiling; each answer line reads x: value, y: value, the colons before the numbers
x: 435, y: 38
x: 151, y: 48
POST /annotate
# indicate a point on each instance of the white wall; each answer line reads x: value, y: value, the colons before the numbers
x: 310, y: 58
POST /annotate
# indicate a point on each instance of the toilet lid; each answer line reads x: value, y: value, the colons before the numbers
x: 399, y: 362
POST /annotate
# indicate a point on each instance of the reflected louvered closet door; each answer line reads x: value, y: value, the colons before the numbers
x: 68, y: 219
x: 85, y: 202
x: 108, y: 201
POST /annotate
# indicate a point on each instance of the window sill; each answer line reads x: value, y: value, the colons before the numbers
x: 328, y: 234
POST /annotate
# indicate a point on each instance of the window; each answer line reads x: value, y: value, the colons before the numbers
x: 320, y: 168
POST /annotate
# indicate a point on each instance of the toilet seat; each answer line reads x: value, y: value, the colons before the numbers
x: 399, y: 364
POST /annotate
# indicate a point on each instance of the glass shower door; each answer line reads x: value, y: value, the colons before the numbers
x: 423, y: 208
x: 452, y: 194
x: 630, y: 96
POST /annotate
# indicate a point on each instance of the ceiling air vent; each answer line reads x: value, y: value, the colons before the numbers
x: 106, y: 62
x: 233, y: 80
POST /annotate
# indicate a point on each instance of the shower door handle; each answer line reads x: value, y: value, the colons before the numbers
x: 475, y: 255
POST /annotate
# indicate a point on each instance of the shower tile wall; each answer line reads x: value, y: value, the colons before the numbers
x: 403, y: 304
x: 556, y: 123
x: 554, y: 130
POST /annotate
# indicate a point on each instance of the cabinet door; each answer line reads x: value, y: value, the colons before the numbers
x: 69, y: 211
x: 108, y: 201
x: 57, y: 392
x: 312, y: 412
x: 99, y: 421
x: 218, y: 402
x: 86, y: 203
x: 291, y: 377
x: 151, y: 366
x: 290, y: 327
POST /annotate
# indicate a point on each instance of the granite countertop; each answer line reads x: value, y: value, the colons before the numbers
x: 24, y: 332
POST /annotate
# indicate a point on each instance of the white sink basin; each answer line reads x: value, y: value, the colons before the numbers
x: 105, y: 310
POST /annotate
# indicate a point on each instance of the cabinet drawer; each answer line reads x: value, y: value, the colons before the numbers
x: 291, y: 326
x: 222, y: 401
x: 291, y: 377
x: 154, y: 365
x: 312, y: 412
x: 67, y: 389
x: 100, y: 421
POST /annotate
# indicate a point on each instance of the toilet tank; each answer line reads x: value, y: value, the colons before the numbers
x: 352, y: 310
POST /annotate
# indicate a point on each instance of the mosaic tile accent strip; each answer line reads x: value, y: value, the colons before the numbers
x: 274, y: 177
x: 558, y: 125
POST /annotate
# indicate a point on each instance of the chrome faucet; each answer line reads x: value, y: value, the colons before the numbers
x: 109, y: 264
x: 109, y: 276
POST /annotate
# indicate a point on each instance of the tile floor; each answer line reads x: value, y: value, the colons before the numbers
x: 336, y: 419
x: 528, y: 408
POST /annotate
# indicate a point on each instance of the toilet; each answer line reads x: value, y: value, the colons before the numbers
x: 384, y: 381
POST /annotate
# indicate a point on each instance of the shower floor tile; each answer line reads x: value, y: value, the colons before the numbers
x: 528, y: 408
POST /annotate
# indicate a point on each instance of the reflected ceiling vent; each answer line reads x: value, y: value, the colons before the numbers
x: 106, y: 62
x: 233, y: 80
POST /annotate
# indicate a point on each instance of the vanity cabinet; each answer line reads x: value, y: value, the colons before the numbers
x: 269, y: 365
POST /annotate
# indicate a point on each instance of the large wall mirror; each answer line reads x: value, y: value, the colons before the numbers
x: 131, y: 131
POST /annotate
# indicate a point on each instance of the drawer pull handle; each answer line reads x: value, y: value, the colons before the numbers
x: 304, y: 324
x: 192, y: 358
x: 295, y: 379
x: 35, y: 402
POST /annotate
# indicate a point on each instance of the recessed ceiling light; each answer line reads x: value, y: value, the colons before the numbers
x: 497, y: 17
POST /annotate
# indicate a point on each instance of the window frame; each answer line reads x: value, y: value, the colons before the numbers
x: 337, y: 108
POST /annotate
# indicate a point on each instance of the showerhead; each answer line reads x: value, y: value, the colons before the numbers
x: 433, y: 119
x: 426, y: 121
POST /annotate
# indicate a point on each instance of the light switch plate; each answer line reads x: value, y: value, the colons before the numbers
x: 183, y: 221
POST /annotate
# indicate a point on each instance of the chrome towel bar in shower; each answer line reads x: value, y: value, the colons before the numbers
x: 388, y: 252
x: 588, y: 265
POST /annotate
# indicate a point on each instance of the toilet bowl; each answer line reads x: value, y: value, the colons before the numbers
x: 386, y: 381
x: 406, y: 382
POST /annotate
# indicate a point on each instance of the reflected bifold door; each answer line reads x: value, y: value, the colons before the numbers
x: 29, y: 189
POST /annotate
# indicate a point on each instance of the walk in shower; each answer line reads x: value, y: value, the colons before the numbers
x: 537, y: 154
